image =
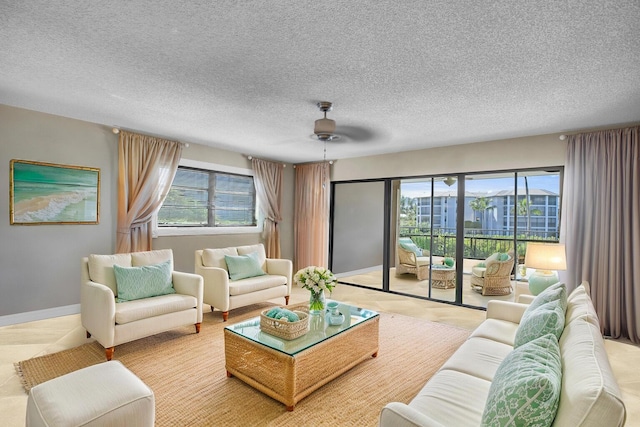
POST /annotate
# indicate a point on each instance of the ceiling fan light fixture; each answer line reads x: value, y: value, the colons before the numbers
x: 324, y: 128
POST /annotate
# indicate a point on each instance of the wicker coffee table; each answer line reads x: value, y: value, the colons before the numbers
x: 443, y: 278
x: 291, y: 370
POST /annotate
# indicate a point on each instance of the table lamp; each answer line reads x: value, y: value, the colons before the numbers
x: 546, y: 258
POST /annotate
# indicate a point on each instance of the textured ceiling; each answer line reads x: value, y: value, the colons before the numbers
x: 403, y: 75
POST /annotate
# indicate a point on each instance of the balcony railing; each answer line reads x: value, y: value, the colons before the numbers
x: 478, y: 243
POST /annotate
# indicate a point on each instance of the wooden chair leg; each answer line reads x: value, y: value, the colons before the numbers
x: 286, y: 300
x: 197, y: 328
x: 109, y: 352
x: 225, y: 316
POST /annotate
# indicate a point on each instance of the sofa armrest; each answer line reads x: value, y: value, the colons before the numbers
x: 189, y: 284
x: 397, y: 414
x: 216, y: 286
x: 98, y: 312
x: 281, y: 267
x: 525, y: 299
x: 505, y: 310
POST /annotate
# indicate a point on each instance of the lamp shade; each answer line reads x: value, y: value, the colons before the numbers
x: 546, y: 256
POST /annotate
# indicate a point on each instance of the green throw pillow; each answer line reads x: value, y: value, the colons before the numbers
x: 545, y: 319
x: 448, y: 262
x: 503, y: 257
x: 525, y: 390
x: 244, y: 266
x: 557, y: 292
x: 143, y: 282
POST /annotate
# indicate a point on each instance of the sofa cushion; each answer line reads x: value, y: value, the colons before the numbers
x: 478, y: 357
x: 151, y: 257
x: 580, y: 306
x: 144, y: 281
x: 130, y: 311
x: 101, y: 268
x: 215, y: 257
x: 537, y: 322
x: 526, y: 387
x: 452, y: 398
x: 590, y: 395
x: 497, y: 330
x: 253, y: 284
x: 243, y: 266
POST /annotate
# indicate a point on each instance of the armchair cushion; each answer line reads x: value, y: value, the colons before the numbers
x: 130, y: 311
x: 244, y: 266
x: 101, y: 268
x: 143, y: 282
x: 215, y: 257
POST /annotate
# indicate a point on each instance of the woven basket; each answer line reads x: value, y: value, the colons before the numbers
x: 284, y: 329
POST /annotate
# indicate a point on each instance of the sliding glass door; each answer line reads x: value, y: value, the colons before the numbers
x: 430, y: 237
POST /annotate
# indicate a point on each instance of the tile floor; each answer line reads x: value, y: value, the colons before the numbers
x: 23, y: 341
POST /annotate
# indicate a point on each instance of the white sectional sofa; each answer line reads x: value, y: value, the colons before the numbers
x: 459, y: 392
x: 270, y: 277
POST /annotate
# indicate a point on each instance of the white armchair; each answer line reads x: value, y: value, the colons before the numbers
x: 113, y: 323
x: 222, y: 292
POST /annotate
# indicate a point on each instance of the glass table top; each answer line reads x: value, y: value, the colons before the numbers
x: 319, y: 329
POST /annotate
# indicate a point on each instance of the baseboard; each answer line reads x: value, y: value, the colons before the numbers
x: 361, y: 271
x: 30, y: 316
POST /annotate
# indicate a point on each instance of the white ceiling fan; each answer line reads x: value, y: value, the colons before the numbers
x: 324, y: 129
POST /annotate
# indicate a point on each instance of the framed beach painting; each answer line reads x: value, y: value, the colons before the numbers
x: 47, y: 193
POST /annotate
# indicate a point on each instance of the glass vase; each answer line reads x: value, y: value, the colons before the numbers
x: 317, y: 302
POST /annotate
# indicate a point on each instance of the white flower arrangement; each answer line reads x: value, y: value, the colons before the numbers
x: 316, y: 279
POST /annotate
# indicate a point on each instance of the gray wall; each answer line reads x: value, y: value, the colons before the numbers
x: 40, y: 264
x: 358, y: 226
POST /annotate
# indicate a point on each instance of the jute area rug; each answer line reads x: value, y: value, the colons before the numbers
x: 186, y: 372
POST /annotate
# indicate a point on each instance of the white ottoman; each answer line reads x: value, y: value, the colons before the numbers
x: 107, y: 394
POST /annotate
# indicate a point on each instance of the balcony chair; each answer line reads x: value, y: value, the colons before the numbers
x: 493, y: 276
x: 411, y: 259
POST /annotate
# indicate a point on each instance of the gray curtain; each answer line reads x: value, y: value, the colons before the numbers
x: 601, y: 225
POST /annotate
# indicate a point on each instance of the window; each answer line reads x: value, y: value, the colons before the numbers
x: 206, y: 198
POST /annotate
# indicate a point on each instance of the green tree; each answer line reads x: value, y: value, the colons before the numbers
x: 408, y: 211
x: 481, y: 204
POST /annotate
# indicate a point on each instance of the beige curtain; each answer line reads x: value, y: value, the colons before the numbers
x: 311, y: 227
x: 146, y: 168
x: 601, y: 225
x: 268, y: 182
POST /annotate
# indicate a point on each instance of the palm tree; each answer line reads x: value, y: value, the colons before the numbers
x: 481, y: 204
x: 408, y: 215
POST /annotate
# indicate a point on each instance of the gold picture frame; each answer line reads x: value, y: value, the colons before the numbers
x: 47, y: 193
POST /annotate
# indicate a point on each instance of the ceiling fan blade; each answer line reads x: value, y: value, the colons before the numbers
x: 355, y: 133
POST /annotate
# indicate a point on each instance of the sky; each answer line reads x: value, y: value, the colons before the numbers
x: 479, y: 185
